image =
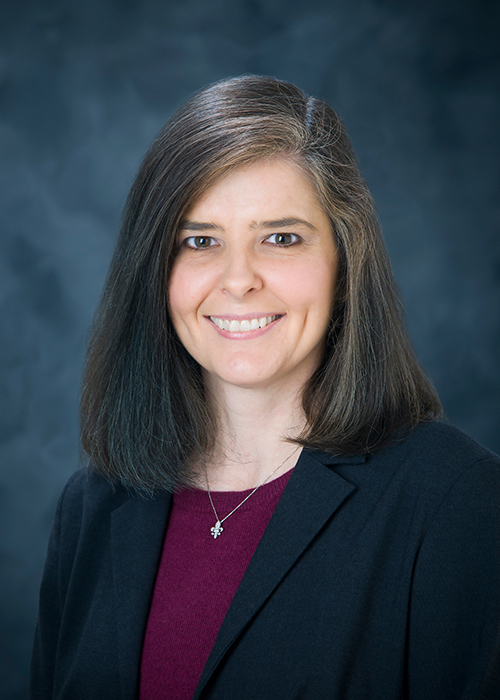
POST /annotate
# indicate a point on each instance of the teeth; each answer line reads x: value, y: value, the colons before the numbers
x: 242, y: 326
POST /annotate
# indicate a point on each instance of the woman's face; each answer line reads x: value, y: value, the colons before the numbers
x: 252, y: 285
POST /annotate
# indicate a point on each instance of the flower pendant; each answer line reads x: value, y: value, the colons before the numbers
x: 217, y: 530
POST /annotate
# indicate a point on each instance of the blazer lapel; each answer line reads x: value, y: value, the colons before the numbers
x: 137, y: 532
x: 310, y: 498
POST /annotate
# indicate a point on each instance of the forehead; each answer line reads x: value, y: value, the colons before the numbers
x: 274, y: 188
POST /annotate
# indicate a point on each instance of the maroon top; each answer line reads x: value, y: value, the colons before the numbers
x: 196, y: 581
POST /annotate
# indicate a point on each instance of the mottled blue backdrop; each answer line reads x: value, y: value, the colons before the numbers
x: 84, y: 87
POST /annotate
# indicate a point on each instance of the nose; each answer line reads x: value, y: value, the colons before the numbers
x: 241, y: 274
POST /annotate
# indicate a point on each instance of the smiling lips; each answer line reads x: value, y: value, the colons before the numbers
x: 247, y: 324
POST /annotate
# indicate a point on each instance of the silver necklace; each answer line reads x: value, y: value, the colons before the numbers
x: 217, y: 529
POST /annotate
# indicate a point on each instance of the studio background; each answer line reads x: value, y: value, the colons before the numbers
x: 84, y: 88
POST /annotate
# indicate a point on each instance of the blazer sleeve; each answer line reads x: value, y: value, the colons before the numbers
x: 454, y: 619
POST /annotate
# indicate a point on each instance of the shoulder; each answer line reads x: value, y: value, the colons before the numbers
x: 440, y: 439
x: 87, y: 489
x: 87, y: 503
x: 437, y: 453
x: 428, y: 470
x: 444, y: 470
x: 89, y: 500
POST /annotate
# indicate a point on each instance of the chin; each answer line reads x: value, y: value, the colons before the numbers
x: 243, y: 377
x: 247, y: 381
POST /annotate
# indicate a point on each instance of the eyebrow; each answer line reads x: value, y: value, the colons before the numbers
x: 199, y: 226
x: 285, y: 222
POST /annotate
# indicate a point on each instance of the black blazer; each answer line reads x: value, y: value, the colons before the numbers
x: 377, y: 578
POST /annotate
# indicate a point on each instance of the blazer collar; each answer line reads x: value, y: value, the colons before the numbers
x: 312, y: 495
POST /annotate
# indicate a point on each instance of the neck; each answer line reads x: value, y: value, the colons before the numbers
x: 254, y: 425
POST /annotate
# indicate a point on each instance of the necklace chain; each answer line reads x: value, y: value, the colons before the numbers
x: 217, y: 530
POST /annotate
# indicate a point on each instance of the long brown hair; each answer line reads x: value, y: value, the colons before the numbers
x: 143, y: 412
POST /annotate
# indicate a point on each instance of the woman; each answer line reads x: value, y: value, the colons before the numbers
x: 272, y: 508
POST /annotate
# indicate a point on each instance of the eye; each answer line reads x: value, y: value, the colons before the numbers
x: 283, y: 239
x: 200, y: 242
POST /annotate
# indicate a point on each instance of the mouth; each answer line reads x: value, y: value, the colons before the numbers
x: 245, y: 325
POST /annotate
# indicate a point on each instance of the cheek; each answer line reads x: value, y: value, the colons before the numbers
x: 176, y: 296
x: 186, y: 291
x: 310, y: 287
